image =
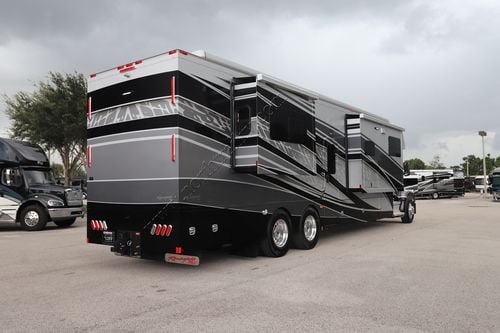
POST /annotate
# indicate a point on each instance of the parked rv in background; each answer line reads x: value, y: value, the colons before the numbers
x: 435, y: 183
x: 479, y: 183
x: 28, y: 191
x: 188, y: 151
x: 495, y: 183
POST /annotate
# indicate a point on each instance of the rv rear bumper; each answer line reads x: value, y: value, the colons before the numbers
x: 57, y: 214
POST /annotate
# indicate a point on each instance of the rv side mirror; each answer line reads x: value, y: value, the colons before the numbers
x: 406, y: 168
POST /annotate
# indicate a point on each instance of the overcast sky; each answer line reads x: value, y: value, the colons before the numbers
x: 432, y: 67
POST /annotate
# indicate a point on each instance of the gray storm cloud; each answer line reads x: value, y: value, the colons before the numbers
x: 429, y: 66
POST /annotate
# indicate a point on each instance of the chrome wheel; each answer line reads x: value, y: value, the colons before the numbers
x: 411, y: 211
x: 31, y: 218
x: 310, y: 228
x: 280, y: 233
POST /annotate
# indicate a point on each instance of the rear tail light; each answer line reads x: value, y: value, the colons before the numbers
x: 98, y: 225
x: 161, y: 230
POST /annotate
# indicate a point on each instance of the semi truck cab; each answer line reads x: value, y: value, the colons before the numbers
x: 29, y: 194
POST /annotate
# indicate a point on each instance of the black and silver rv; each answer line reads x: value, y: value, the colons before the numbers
x: 28, y: 191
x: 188, y: 151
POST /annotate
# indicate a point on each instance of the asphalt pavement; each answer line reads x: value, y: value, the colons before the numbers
x: 440, y: 273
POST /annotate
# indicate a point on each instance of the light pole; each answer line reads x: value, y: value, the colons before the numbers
x: 483, y: 134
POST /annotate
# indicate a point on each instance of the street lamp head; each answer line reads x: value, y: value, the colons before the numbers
x: 482, y: 133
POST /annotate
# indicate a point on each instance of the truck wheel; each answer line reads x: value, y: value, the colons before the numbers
x: 307, y: 234
x: 276, y: 240
x: 65, y: 223
x: 435, y: 195
x: 409, y: 210
x: 33, y: 218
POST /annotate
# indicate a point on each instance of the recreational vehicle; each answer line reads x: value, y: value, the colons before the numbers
x: 28, y: 191
x: 495, y: 183
x: 188, y: 151
x: 435, y: 183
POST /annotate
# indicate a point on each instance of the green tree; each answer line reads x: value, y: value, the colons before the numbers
x: 436, y: 163
x: 415, y: 164
x: 57, y: 169
x: 476, y: 164
x: 53, y: 116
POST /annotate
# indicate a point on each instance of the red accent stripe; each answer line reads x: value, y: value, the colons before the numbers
x: 172, y: 51
x: 93, y: 75
x: 137, y: 62
x: 172, y: 148
x: 183, y: 52
x: 172, y: 90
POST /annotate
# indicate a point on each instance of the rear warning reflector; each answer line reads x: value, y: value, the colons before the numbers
x: 172, y: 148
x: 89, y: 108
x: 182, y: 259
x: 89, y: 156
x: 172, y: 90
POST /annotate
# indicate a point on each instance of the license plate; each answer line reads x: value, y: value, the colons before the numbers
x: 108, y: 237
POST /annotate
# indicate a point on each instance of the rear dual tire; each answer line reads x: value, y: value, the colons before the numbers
x: 306, y: 235
x: 279, y: 234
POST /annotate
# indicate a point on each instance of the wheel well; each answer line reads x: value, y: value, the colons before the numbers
x: 27, y: 203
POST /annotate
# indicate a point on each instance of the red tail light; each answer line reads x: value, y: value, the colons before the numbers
x: 179, y: 250
x: 169, y: 230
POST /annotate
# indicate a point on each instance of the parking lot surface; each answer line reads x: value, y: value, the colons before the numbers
x: 441, y: 273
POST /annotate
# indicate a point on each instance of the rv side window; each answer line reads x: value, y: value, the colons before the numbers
x: 11, y: 177
x: 369, y: 148
x: 394, y: 146
x: 291, y: 125
x: 331, y: 159
x: 243, y: 119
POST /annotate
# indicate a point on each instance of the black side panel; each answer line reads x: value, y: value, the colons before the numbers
x: 212, y: 227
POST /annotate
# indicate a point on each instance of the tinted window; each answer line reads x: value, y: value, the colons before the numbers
x: 243, y: 114
x: 292, y: 125
x: 394, y: 146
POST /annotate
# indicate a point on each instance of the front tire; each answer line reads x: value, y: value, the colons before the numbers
x: 276, y: 240
x: 65, y: 223
x: 306, y: 235
x: 410, y: 209
x: 435, y: 195
x: 33, y: 218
